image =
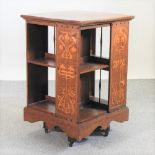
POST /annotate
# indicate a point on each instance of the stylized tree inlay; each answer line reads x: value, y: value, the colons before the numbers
x: 67, y: 54
x: 119, y: 64
x: 67, y: 44
x: 120, y: 39
x: 66, y: 72
x: 118, y: 96
x: 66, y: 100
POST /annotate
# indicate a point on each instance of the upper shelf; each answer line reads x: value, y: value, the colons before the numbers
x: 84, y: 68
x: 47, y: 61
x: 78, y: 17
x: 89, y: 67
x: 94, y: 64
x: 43, y: 62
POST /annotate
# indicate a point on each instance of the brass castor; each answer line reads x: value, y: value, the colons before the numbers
x: 57, y: 129
x: 45, y: 128
x: 71, y: 141
x: 105, y: 132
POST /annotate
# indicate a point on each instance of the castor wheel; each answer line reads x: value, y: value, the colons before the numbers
x: 57, y: 129
x: 105, y: 132
x: 71, y: 141
x: 45, y: 128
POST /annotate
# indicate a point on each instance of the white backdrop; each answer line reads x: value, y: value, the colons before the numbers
x: 12, y: 32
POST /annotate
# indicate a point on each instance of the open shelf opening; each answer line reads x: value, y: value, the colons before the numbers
x: 95, y: 49
x: 94, y: 98
x: 94, y: 65
x: 41, y: 87
x: 101, y: 85
x: 41, y: 45
x: 105, y: 34
x: 51, y: 81
x: 93, y: 91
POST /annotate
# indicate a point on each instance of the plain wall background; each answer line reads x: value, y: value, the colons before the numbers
x: 12, y: 32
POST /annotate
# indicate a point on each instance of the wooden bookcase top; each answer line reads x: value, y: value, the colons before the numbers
x: 78, y: 17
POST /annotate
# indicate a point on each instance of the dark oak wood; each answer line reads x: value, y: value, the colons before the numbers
x: 74, y: 109
x: 36, y: 90
x: 37, y: 41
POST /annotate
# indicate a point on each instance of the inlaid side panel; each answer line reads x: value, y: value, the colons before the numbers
x: 67, y: 71
x: 118, y: 65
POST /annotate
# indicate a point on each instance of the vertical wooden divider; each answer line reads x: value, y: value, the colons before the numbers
x: 93, y: 51
x: 67, y: 71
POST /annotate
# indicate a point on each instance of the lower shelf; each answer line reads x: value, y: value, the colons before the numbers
x: 44, y: 106
x: 86, y: 113
x: 43, y: 111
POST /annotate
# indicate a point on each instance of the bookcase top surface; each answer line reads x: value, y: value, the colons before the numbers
x: 78, y: 17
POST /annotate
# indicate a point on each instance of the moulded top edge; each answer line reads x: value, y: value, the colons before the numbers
x: 77, y: 17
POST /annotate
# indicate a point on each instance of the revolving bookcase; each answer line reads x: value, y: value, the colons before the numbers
x: 75, y: 109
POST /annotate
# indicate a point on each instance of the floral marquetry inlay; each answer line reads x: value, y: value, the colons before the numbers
x: 67, y: 78
x: 68, y: 41
x: 118, y: 64
x: 67, y: 100
x: 67, y: 72
x: 118, y: 95
x: 121, y: 39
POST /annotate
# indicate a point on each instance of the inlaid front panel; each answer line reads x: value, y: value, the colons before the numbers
x: 118, y: 65
x: 67, y: 71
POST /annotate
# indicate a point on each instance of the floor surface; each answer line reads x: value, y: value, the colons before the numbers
x: 135, y: 137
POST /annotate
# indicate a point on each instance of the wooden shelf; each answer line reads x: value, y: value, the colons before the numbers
x: 46, y: 62
x: 87, y: 114
x: 89, y: 67
x: 92, y: 109
x: 45, y: 106
x: 84, y: 68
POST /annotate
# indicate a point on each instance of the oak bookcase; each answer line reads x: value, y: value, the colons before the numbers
x: 74, y: 109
